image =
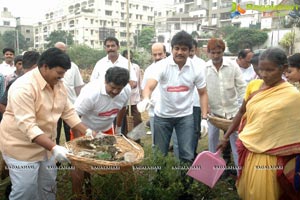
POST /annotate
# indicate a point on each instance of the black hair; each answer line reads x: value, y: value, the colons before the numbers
x: 54, y: 57
x: 243, y: 53
x: 8, y: 49
x: 294, y: 60
x: 117, y: 75
x: 276, y: 55
x: 125, y: 53
x: 182, y: 38
x: 18, y: 58
x: 30, y: 58
x: 111, y: 39
x: 254, y: 59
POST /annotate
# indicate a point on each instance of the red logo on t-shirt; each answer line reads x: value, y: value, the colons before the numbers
x: 108, y: 113
x: 181, y: 88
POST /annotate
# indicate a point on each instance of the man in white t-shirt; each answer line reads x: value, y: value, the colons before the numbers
x: 244, y: 62
x: 7, y: 67
x: 158, y: 52
x: 73, y: 82
x: 98, y: 104
x: 112, y: 59
x: 177, y: 77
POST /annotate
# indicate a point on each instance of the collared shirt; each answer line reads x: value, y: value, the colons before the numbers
x: 33, y: 109
x: 149, y: 72
x: 176, y: 87
x: 7, y: 69
x: 96, y: 108
x: 72, y: 79
x: 224, y: 87
x: 135, y: 96
x: 198, y: 63
x: 104, y: 64
x: 248, y: 74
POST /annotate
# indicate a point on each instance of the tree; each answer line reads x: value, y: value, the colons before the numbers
x: 9, y: 39
x: 243, y: 38
x: 146, y: 37
x: 59, y: 36
x: 84, y: 56
x: 287, y: 41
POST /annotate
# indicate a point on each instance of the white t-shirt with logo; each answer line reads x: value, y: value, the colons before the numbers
x: 176, y: 87
x: 96, y: 108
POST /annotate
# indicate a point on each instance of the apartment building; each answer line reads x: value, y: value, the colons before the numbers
x: 91, y: 21
x: 21, y: 26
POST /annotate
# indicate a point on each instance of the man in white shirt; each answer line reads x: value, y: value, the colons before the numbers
x: 177, y: 77
x: 112, y: 59
x: 244, y: 62
x: 73, y: 82
x: 135, y: 96
x: 98, y: 104
x: 7, y: 67
x: 158, y: 52
x: 225, y: 84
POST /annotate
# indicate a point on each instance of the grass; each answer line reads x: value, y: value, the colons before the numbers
x: 166, y: 183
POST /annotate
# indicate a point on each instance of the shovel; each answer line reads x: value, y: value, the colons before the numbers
x: 137, y: 132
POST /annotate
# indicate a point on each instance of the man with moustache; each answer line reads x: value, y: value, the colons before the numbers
x: 112, y: 59
x: 225, y: 84
x: 177, y: 77
x: 8, y: 67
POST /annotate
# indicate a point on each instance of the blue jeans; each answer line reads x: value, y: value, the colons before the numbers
x: 184, y: 128
x: 213, y: 141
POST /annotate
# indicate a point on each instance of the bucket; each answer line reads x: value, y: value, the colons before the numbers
x: 207, y: 168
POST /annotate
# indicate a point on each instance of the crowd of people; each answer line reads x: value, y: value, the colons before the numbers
x: 40, y: 93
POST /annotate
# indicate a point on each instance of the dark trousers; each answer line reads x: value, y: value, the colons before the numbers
x: 66, y: 129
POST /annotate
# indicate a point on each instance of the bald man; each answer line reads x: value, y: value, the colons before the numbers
x: 158, y: 52
x: 73, y: 82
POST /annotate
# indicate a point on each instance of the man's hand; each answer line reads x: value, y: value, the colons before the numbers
x: 60, y: 153
x: 144, y: 105
x: 204, y: 128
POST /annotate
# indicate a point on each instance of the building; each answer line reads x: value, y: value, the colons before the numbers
x: 10, y: 23
x: 91, y: 21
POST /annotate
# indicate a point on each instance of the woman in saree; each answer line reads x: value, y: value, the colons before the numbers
x: 269, y: 130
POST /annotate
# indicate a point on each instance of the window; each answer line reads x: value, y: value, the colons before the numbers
x: 122, y: 24
x: 214, y: 15
x: 177, y: 26
x: 225, y: 15
x: 92, y: 21
x: 92, y: 32
x: 6, y: 23
x: 27, y: 31
x: 45, y: 29
x: 71, y: 23
x: 108, y: 2
x: 59, y: 26
x: 123, y: 34
x: 150, y: 19
x: 36, y: 31
x: 145, y: 8
x: 108, y: 12
x: 27, y: 39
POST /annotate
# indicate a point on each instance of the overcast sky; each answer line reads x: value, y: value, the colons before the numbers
x: 35, y: 9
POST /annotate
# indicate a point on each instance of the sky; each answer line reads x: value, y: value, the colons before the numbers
x: 28, y: 8
x: 35, y: 9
